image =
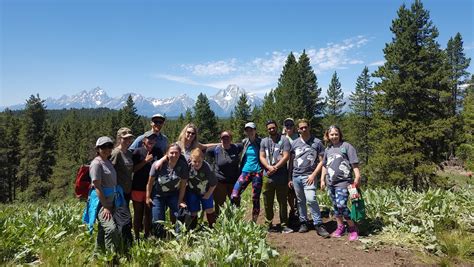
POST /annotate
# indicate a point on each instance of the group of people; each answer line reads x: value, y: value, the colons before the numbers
x: 156, y: 176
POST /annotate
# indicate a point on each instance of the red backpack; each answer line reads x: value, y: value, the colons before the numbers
x: 83, y: 182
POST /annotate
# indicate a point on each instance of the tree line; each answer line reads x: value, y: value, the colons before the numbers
x: 405, y: 118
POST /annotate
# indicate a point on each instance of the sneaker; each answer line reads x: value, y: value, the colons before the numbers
x: 353, y: 233
x: 321, y: 230
x: 341, y: 228
x: 303, y: 228
x: 286, y: 230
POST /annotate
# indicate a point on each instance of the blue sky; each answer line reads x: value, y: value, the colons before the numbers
x: 166, y: 48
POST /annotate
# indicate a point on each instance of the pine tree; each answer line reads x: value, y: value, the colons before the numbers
x: 289, y: 93
x: 241, y: 115
x: 458, y: 63
x: 311, y: 93
x: 205, y: 119
x: 9, y: 155
x: 188, y: 116
x: 466, y: 150
x: 129, y: 117
x: 334, y: 101
x: 68, y: 157
x: 411, y: 106
x: 362, y: 101
x: 36, y: 146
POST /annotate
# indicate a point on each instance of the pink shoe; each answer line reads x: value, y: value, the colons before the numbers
x: 353, y: 234
x: 341, y: 228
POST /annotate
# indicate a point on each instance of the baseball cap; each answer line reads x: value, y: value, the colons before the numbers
x: 124, y: 132
x: 288, y: 122
x: 103, y: 140
x: 149, y: 135
x: 250, y: 125
x: 158, y: 115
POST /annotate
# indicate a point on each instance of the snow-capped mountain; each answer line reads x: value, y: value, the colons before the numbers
x: 227, y: 98
x: 221, y: 103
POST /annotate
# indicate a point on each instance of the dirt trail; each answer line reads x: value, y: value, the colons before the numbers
x: 309, y: 249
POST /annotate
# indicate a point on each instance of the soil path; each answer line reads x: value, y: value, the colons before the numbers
x: 309, y: 249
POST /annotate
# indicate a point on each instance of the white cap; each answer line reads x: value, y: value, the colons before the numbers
x: 158, y: 115
x: 103, y: 140
x: 250, y: 125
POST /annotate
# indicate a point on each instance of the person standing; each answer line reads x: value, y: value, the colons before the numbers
x: 251, y: 170
x: 340, y: 160
x: 292, y: 135
x: 274, y: 154
x: 157, y: 123
x: 110, y: 209
x: 226, y: 167
x: 188, y: 140
x: 121, y: 158
x: 143, y: 159
x: 307, y: 152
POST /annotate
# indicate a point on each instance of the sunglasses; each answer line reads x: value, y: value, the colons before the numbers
x: 303, y: 127
x: 191, y: 133
x: 271, y: 128
x: 158, y: 122
x: 225, y: 137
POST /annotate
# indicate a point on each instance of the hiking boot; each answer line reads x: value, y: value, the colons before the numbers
x: 272, y: 229
x: 286, y: 230
x: 353, y: 233
x: 303, y: 228
x: 321, y: 230
x: 341, y: 228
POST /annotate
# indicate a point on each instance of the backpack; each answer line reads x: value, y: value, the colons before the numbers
x: 83, y: 182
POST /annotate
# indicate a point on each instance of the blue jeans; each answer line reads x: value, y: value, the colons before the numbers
x: 158, y: 211
x: 306, y: 194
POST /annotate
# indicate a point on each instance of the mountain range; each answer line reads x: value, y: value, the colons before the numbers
x: 222, y: 103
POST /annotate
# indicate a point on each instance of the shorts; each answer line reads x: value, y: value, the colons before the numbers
x: 138, y: 196
x: 194, y: 202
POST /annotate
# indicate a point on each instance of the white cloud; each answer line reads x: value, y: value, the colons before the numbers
x: 261, y: 73
x: 377, y: 63
x: 220, y: 67
x: 175, y: 78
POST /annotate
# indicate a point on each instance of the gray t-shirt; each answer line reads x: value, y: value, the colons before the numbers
x: 104, y: 171
x: 200, y: 180
x: 123, y: 164
x: 166, y: 179
x: 338, y: 160
x: 273, y: 154
x: 306, y: 155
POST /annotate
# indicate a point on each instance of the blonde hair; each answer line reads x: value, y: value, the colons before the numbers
x: 326, y: 134
x: 197, y: 153
x: 182, y: 137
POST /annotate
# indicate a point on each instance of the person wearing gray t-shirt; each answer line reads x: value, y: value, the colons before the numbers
x: 307, y: 152
x: 114, y: 216
x: 340, y: 160
x: 274, y: 154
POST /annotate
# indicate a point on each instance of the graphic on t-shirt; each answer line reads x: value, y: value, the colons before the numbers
x: 197, y: 180
x: 169, y: 182
x: 343, y: 170
x: 309, y: 157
